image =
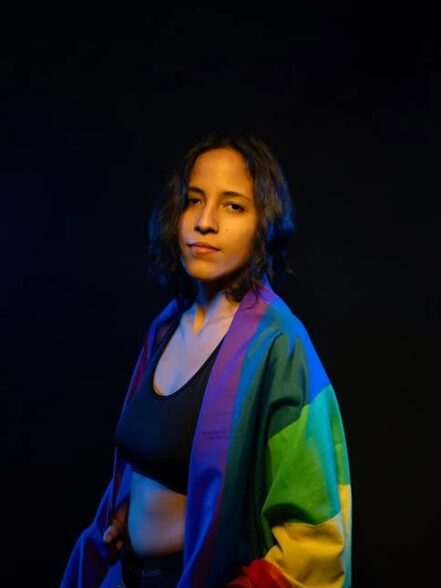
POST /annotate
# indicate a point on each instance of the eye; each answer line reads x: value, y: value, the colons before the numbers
x: 236, y: 207
x: 192, y: 200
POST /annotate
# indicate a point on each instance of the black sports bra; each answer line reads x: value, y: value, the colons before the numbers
x: 155, y: 433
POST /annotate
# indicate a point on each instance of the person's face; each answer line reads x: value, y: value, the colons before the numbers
x: 221, y: 212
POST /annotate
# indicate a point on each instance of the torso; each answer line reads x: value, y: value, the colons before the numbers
x: 156, y: 517
x: 192, y: 349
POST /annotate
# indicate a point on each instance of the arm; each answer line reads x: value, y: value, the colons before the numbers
x: 94, y: 552
x: 93, y: 556
x: 306, y: 513
x: 89, y: 559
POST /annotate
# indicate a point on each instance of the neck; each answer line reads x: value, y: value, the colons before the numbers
x: 210, y: 305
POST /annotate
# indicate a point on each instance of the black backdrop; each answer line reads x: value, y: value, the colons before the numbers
x: 95, y: 108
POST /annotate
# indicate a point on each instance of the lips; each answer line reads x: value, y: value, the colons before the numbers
x: 201, y: 250
x: 201, y: 245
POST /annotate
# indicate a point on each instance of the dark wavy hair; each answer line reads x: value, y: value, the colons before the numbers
x: 275, y: 213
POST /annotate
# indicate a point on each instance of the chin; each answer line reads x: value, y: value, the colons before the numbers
x: 217, y: 280
x: 207, y: 276
x: 205, y: 272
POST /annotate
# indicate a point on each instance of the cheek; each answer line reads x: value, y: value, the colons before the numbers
x: 182, y: 227
x: 181, y: 238
x: 249, y: 234
x: 185, y: 224
x: 250, y: 240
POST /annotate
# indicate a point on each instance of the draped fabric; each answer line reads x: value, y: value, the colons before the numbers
x: 269, y: 495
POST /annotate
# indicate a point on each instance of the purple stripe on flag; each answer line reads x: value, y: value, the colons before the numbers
x: 212, y: 437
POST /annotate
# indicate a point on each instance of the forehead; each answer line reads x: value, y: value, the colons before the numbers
x: 223, y: 164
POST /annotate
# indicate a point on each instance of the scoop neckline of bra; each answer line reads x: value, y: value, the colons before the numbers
x: 157, y: 355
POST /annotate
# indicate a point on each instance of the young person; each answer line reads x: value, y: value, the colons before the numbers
x: 231, y: 466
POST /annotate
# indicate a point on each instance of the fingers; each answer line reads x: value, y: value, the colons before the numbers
x: 108, y: 535
x: 111, y: 533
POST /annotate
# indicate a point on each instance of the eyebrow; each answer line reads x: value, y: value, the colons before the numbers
x: 225, y: 193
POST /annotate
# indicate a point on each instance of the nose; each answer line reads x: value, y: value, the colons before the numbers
x: 206, y: 220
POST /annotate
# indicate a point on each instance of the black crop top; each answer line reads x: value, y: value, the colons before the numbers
x: 155, y: 433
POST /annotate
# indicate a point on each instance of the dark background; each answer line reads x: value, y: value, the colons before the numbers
x: 96, y: 106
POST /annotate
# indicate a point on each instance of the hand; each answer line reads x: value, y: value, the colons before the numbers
x: 114, y: 535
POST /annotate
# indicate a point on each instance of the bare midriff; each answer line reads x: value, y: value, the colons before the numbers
x: 156, y: 515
